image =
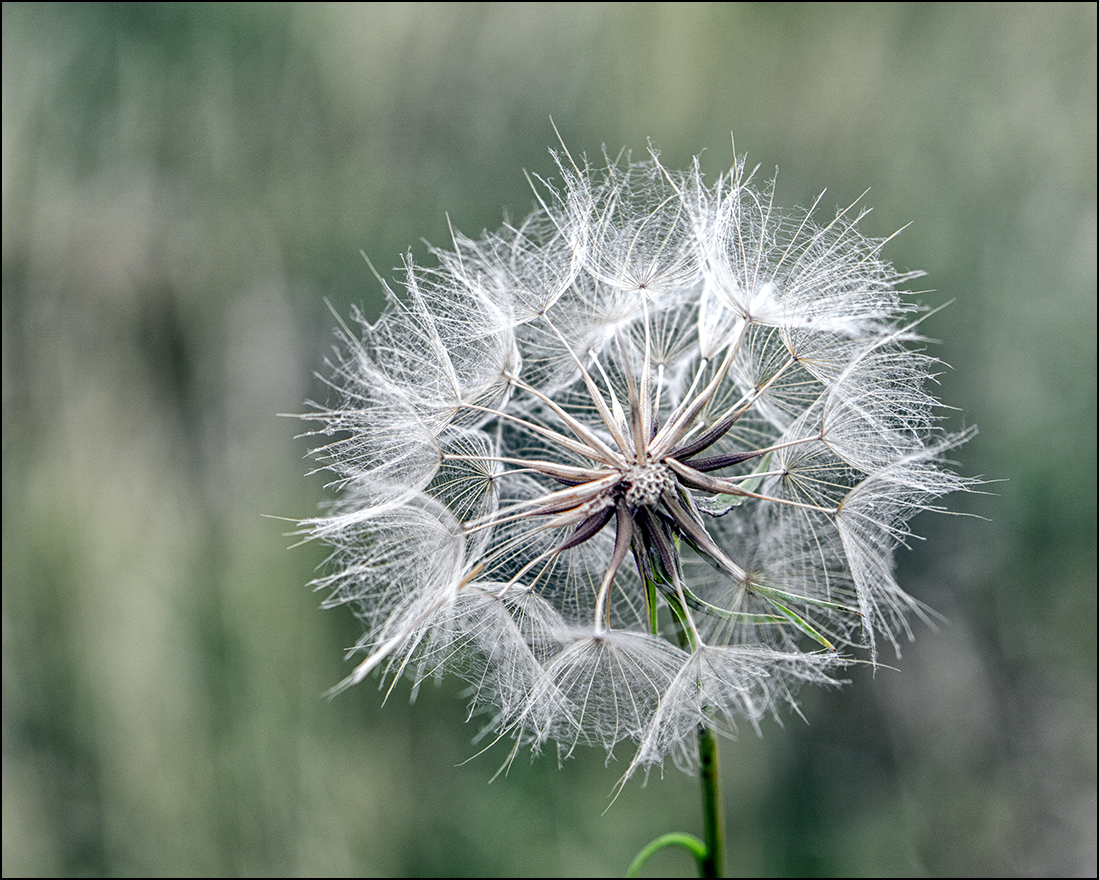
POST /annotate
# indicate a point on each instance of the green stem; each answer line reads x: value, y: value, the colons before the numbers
x: 712, y: 864
x: 709, y: 852
x: 713, y: 813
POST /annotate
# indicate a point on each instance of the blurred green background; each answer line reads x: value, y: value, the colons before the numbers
x: 183, y: 188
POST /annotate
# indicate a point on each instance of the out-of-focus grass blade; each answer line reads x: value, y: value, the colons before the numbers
x: 783, y: 596
x: 802, y: 624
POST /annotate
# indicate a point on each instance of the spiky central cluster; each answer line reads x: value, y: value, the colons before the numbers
x: 640, y: 464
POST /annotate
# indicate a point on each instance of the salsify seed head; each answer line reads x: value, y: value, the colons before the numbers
x: 636, y: 463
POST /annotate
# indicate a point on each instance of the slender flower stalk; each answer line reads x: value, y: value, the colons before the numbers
x: 635, y: 467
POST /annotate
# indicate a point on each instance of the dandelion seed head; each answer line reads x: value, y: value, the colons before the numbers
x: 637, y: 463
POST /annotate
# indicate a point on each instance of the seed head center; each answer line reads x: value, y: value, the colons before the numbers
x: 644, y: 483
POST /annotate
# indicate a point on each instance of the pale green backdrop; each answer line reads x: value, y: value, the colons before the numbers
x: 183, y: 188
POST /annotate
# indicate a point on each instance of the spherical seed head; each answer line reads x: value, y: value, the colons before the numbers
x: 637, y: 463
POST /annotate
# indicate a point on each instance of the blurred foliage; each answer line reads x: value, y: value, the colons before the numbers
x: 185, y: 185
